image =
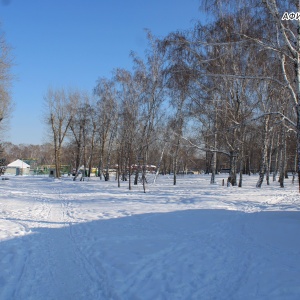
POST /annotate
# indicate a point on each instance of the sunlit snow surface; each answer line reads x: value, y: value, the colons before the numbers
x: 61, y: 239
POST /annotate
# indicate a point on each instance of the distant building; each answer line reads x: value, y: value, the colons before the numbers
x: 17, y: 167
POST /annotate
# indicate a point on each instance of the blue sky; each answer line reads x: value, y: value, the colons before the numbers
x: 71, y: 43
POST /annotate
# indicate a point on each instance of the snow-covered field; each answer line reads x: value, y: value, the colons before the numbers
x: 61, y: 239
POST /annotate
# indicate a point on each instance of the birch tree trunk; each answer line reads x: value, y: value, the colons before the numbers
x: 175, y: 160
x: 241, y: 162
x: 295, y: 166
x: 129, y: 169
x: 213, y: 166
x: 269, y: 160
x: 100, y: 164
x: 282, y: 162
x: 241, y: 170
x: 214, y: 158
x: 275, y: 170
x: 264, y: 153
x: 92, y: 152
x: 232, y: 174
x: 158, y: 166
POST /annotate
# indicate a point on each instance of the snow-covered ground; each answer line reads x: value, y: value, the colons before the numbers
x: 61, y: 239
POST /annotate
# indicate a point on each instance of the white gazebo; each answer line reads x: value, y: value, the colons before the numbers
x: 17, y: 167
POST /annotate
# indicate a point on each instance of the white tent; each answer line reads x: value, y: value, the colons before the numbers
x: 17, y: 167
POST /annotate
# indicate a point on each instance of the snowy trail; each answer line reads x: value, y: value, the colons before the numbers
x: 56, y: 257
x: 90, y: 240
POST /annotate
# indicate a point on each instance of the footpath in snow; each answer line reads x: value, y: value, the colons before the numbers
x: 61, y: 239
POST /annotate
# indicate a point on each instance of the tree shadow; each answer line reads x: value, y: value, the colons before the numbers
x: 191, y: 254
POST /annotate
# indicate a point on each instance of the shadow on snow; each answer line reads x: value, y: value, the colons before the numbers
x: 191, y: 254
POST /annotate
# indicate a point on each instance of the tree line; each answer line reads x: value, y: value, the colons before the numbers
x: 220, y: 95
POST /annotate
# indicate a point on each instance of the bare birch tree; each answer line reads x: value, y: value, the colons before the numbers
x: 59, y: 112
x: 130, y: 94
x: 107, y: 115
x: 81, y: 129
x: 149, y: 80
